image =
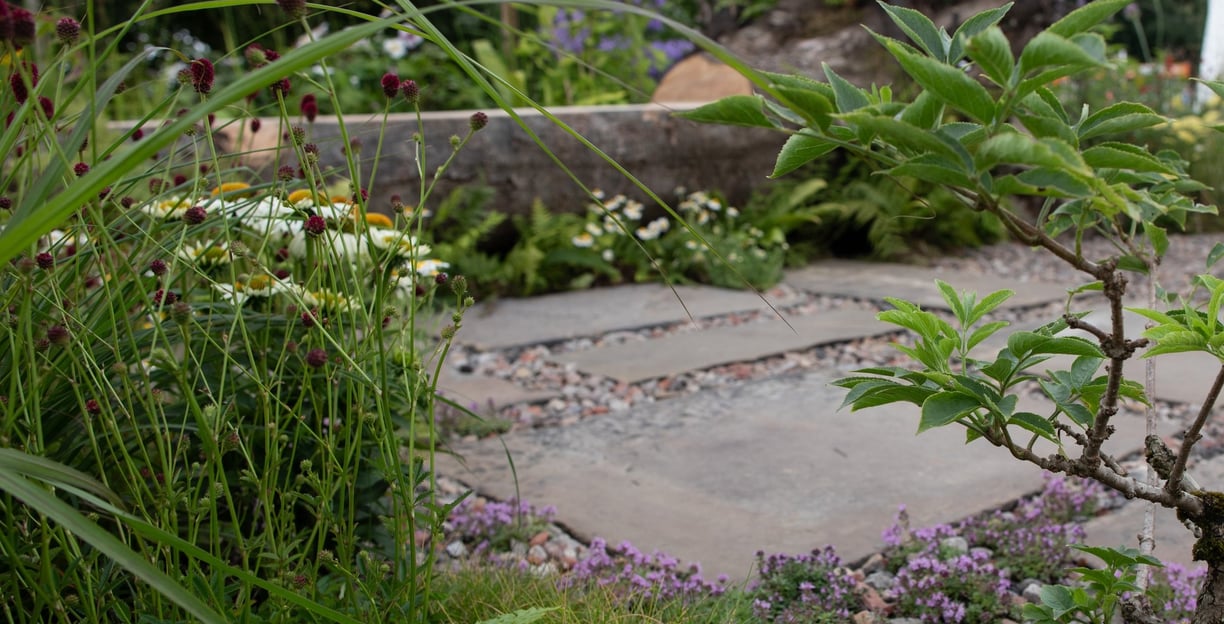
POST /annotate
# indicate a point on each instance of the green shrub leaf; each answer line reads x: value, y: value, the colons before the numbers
x: 973, y: 27
x: 801, y: 148
x: 945, y: 408
x: 734, y: 110
x: 992, y: 52
x: 1086, y: 17
x: 949, y: 83
x: 1119, y: 118
x: 920, y: 29
x: 848, y: 97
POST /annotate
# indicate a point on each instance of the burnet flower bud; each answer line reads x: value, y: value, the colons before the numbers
x: 68, y: 30
x: 479, y: 120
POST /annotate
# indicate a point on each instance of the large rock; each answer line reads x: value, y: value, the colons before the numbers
x: 700, y: 78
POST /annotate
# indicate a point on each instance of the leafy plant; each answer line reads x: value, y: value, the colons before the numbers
x: 1099, y: 593
x: 986, y: 135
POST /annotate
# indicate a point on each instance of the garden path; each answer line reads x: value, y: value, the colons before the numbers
x: 770, y: 464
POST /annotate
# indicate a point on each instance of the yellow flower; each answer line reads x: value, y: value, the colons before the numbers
x: 328, y: 300
x: 232, y: 189
x: 301, y: 195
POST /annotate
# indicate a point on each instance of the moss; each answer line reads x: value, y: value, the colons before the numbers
x: 1210, y: 547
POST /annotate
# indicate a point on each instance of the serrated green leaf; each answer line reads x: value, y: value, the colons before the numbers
x: 1066, y: 184
x: 953, y: 299
x: 734, y: 110
x: 1177, y: 342
x: 935, y: 169
x: 1118, y: 118
x: 1123, y: 156
x: 1047, y: 49
x: 924, y: 112
x: 847, y: 96
x: 949, y: 83
x: 893, y: 394
x: 992, y: 53
x: 801, y: 148
x: 982, y: 333
x: 919, y: 29
x: 1019, y: 149
x: 910, y: 140
x: 1059, y: 599
x: 796, y: 81
x: 813, y: 107
x: 945, y: 408
x: 1022, y: 343
x: 989, y: 303
x: 1069, y: 345
x: 972, y: 27
x: 1086, y: 17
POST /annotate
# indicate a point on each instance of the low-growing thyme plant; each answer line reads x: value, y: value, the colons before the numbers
x: 987, y: 127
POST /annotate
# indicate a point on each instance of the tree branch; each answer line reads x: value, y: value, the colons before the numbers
x: 1174, y: 485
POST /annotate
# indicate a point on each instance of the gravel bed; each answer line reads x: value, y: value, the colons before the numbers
x: 583, y: 395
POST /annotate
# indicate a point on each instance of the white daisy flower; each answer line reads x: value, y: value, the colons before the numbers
x: 395, y: 48
x: 206, y: 254
x: 171, y: 207
x: 583, y: 240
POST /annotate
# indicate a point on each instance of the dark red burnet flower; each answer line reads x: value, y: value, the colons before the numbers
x: 68, y: 30
x: 195, y: 215
x: 48, y: 107
x: 282, y: 86
x: 23, y: 25
x: 309, y: 107
x: 80, y: 169
x: 390, y: 85
x: 45, y: 261
x: 158, y: 267
x: 6, y: 203
x: 315, y: 225
x: 479, y: 120
x: 316, y: 358
x: 256, y: 124
x: 410, y: 90
x: 92, y: 407
x: 202, y: 75
x: 59, y: 335
x: 17, y: 82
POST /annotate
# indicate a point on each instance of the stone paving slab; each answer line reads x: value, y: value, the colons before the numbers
x: 508, y: 323
x: 876, y: 280
x: 768, y: 465
x: 632, y: 362
x: 485, y: 391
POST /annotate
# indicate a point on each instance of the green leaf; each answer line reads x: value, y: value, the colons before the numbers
x: 811, y: 105
x: 1086, y: 17
x: 910, y: 140
x: 951, y: 84
x: 989, y: 303
x: 926, y: 111
x: 796, y: 81
x: 1044, y: 178
x: 1034, y: 423
x: 1158, y: 236
x: 935, y: 169
x: 847, y: 96
x: 944, y: 408
x: 974, y: 26
x: 919, y: 29
x: 1121, y: 117
x: 1049, y: 49
x: 801, y: 148
x: 1217, y: 252
x: 895, y: 393
x: 1058, y: 598
x: 1123, y: 156
x: 984, y: 332
x: 1178, y: 342
x: 1069, y: 345
x: 954, y: 301
x: 734, y: 110
x: 992, y: 52
x: 1013, y: 148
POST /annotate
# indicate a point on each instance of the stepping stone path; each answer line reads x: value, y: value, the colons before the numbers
x: 771, y: 464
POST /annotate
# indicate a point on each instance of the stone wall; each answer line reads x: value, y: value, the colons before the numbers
x: 660, y: 150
